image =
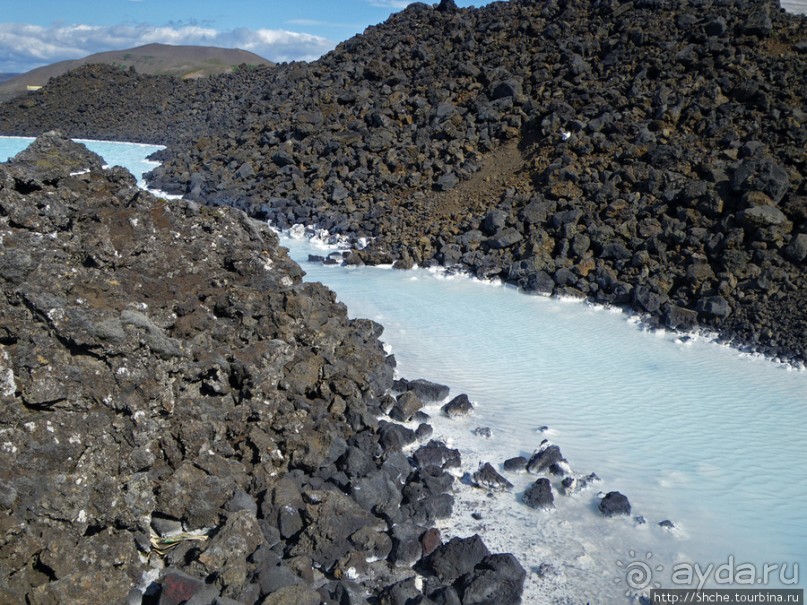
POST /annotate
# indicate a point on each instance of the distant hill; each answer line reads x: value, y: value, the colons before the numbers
x: 164, y: 59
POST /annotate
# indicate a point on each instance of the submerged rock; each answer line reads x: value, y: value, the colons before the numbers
x: 614, y: 504
x: 544, y: 458
x: 539, y: 495
x: 489, y: 478
x: 516, y: 465
x: 458, y: 407
x: 572, y: 485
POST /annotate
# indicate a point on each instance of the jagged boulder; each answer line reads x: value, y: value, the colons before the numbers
x: 614, y: 504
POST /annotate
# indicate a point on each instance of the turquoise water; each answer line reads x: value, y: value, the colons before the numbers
x: 795, y: 6
x: 691, y: 431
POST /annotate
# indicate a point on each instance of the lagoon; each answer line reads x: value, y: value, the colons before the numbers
x: 689, y: 430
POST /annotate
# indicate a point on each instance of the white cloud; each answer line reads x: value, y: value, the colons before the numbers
x: 280, y: 45
x: 391, y: 3
x: 24, y: 47
x: 317, y: 23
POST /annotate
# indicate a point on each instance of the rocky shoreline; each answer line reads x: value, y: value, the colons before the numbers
x: 184, y: 420
x: 642, y: 154
x: 175, y: 398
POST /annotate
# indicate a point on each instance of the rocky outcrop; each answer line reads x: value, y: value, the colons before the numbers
x: 614, y: 504
x: 458, y: 407
x: 539, y: 494
x: 642, y: 154
x: 180, y: 414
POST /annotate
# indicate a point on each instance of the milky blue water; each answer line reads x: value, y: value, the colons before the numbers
x: 795, y: 6
x: 690, y: 431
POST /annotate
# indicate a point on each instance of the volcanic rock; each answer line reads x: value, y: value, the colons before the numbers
x: 614, y: 504
x: 174, y: 395
x: 539, y: 495
x: 458, y: 407
x: 488, y: 478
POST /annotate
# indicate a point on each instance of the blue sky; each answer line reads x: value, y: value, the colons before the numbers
x: 38, y: 32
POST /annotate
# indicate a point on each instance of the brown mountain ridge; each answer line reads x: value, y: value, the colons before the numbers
x: 155, y: 59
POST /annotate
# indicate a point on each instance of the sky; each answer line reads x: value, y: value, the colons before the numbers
x: 34, y: 33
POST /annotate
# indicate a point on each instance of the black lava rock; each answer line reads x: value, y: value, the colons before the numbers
x: 539, y: 495
x: 458, y: 407
x: 614, y: 504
